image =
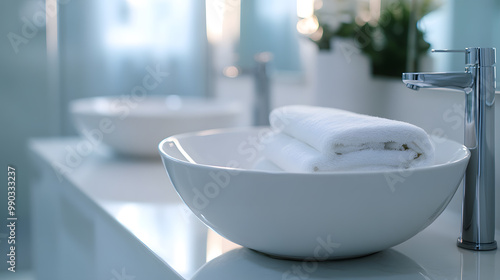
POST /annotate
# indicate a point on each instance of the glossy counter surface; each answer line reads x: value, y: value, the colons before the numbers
x: 138, y: 195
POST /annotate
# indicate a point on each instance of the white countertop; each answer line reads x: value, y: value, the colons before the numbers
x: 138, y: 194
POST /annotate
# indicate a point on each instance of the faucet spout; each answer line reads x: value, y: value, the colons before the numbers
x: 449, y: 80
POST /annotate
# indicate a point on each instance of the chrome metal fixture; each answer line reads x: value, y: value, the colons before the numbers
x: 262, y: 102
x: 478, y: 83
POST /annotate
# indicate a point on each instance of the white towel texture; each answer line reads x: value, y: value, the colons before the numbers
x: 315, y: 139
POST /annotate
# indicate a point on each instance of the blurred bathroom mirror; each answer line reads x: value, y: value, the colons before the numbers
x: 106, y: 48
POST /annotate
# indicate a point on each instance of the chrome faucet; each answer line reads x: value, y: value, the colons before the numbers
x: 262, y: 102
x: 478, y: 83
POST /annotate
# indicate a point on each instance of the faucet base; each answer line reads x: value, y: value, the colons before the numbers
x: 476, y: 246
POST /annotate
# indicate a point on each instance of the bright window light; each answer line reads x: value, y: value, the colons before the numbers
x: 305, y: 8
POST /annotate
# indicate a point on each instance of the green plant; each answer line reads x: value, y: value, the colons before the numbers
x: 386, y: 41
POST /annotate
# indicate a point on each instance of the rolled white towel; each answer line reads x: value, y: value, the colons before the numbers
x: 324, y: 139
x: 293, y: 155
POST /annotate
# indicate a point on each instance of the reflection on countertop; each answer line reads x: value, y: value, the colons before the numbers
x: 246, y: 264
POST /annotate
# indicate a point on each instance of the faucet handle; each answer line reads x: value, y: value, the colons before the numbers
x: 475, y: 56
x: 480, y: 56
x: 448, y: 51
x: 467, y: 57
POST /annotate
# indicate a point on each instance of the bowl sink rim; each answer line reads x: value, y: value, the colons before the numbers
x: 175, y: 139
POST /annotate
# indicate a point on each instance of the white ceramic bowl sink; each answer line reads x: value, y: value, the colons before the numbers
x: 298, y: 215
x: 134, y: 127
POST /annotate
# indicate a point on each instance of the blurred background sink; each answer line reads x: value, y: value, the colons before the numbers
x: 134, y: 126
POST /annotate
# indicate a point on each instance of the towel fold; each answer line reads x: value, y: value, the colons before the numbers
x: 312, y: 139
